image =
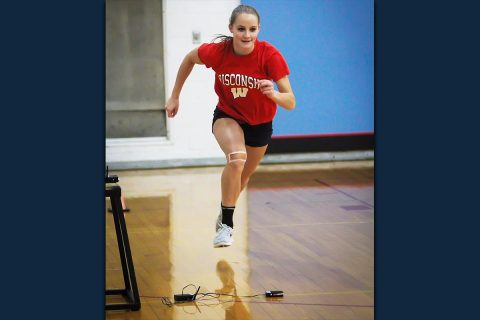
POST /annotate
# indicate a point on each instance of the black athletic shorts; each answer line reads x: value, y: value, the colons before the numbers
x: 255, y: 135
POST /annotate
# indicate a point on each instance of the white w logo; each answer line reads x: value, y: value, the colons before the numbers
x: 239, y: 92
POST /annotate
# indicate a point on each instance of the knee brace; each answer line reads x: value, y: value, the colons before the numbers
x: 229, y: 156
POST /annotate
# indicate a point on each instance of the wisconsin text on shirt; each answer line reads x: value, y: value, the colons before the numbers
x: 239, y: 80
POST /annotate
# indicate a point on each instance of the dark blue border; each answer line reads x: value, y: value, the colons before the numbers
x: 426, y: 168
x: 52, y: 160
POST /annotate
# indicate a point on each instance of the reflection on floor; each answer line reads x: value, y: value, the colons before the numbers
x: 305, y: 229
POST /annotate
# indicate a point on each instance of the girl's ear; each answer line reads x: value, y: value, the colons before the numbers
x: 230, y: 27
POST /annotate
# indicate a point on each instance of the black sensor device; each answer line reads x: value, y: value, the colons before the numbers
x: 272, y: 293
x: 185, y: 296
x: 110, y: 179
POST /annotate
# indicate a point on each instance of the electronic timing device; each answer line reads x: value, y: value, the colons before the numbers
x: 277, y: 293
x: 185, y: 296
x: 110, y: 179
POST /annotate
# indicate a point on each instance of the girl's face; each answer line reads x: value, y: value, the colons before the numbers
x: 245, y: 31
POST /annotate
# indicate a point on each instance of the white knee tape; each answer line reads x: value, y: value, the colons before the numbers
x: 229, y: 156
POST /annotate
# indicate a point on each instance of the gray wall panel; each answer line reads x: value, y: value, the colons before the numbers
x: 134, y: 69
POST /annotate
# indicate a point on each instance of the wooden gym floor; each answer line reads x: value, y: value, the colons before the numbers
x: 306, y: 229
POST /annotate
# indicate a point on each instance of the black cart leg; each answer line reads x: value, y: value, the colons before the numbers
x: 130, y: 293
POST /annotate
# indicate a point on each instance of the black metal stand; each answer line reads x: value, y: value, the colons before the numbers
x: 130, y: 293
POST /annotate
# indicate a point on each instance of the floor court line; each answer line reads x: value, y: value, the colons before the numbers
x: 343, y: 192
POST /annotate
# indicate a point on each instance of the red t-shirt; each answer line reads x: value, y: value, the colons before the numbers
x: 237, y: 77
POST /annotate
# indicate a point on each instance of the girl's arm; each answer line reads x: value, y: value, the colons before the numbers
x: 284, y: 97
x: 172, y: 104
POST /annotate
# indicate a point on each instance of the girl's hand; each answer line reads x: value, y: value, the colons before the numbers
x: 266, y: 87
x: 171, y: 107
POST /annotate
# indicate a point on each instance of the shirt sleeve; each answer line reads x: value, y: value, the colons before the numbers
x: 276, y: 66
x: 210, y: 54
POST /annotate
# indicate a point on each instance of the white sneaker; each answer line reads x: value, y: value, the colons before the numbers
x: 224, y: 237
